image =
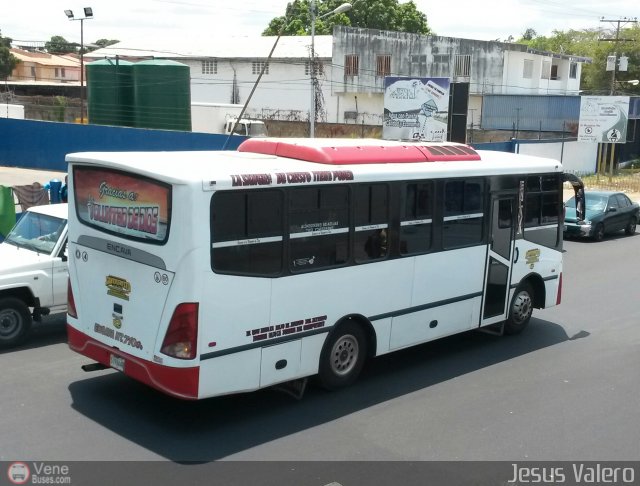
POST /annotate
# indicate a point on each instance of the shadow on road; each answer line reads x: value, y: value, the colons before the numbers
x: 216, y: 428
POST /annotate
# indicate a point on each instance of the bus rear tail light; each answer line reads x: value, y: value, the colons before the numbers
x: 71, y: 302
x: 559, y: 298
x: 181, y: 338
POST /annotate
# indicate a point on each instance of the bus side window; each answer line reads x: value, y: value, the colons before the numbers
x: 247, y: 232
x: 463, y: 214
x: 371, y: 222
x: 416, y: 221
x: 318, y: 227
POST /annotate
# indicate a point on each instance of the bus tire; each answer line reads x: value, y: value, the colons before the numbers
x: 343, y: 356
x: 15, y: 321
x: 520, y: 310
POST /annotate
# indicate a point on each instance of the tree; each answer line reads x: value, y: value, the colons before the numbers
x: 529, y: 34
x: 8, y: 61
x: 60, y: 45
x: 101, y: 43
x: 373, y: 14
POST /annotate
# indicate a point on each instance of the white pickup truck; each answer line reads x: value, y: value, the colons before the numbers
x: 33, y: 271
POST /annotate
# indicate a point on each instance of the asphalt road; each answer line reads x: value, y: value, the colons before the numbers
x: 568, y: 389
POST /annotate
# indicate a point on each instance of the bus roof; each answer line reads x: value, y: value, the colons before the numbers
x: 221, y: 169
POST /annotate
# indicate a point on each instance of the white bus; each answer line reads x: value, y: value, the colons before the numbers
x: 209, y: 273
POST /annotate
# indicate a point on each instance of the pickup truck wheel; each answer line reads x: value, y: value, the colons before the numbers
x: 15, y: 321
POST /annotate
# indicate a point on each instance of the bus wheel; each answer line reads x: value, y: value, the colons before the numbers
x: 520, y: 310
x: 342, y: 356
x: 15, y: 321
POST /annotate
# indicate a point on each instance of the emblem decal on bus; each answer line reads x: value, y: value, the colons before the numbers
x: 532, y: 256
x: 118, y: 287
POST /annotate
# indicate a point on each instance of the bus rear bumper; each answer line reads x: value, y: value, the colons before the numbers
x: 177, y: 382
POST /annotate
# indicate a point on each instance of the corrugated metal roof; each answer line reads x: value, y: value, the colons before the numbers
x: 255, y: 47
x: 45, y: 59
x: 524, y: 112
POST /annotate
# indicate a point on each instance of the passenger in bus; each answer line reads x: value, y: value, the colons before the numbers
x: 376, y: 245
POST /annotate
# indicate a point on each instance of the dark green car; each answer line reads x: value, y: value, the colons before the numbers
x: 606, y: 212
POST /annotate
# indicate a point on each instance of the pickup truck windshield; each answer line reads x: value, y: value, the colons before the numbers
x: 36, y: 232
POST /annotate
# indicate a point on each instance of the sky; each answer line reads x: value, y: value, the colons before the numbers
x: 144, y: 20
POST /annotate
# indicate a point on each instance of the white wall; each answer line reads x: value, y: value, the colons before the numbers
x: 286, y: 88
x: 577, y: 157
x: 515, y: 83
x: 11, y: 111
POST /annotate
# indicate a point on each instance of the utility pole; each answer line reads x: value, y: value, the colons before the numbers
x: 619, y: 22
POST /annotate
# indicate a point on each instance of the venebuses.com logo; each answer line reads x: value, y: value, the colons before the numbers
x: 38, y: 473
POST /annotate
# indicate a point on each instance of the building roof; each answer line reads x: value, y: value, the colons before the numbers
x: 255, y: 47
x: 45, y: 59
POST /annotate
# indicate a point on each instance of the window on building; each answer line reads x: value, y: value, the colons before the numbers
x: 319, y: 68
x: 62, y: 73
x: 418, y: 66
x: 33, y: 71
x: 463, y: 214
x: 554, y: 71
x: 527, y: 70
x: 351, y: 65
x: 256, y: 67
x: 210, y: 66
x: 57, y: 72
x: 441, y: 59
x: 546, y: 70
x: 573, y: 70
x: 462, y: 65
x: 383, y: 65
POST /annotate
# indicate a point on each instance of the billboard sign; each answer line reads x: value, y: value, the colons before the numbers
x: 603, y: 119
x: 415, y: 109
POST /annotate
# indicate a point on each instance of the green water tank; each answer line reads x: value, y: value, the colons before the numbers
x: 162, y: 95
x: 110, y: 92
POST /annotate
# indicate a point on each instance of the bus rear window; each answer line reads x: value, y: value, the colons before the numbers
x: 127, y: 205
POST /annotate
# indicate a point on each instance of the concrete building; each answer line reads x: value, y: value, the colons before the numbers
x: 225, y: 71
x: 363, y: 57
x: 352, y: 65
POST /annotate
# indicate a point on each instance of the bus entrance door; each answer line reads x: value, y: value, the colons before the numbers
x: 499, y: 259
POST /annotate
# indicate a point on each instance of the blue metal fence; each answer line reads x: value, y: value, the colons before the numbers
x: 43, y: 145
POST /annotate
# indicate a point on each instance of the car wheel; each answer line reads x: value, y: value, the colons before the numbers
x: 631, y: 227
x: 342, y: 356
x: 520, y: 310
x: 15, y: 321
x: 598, y: 233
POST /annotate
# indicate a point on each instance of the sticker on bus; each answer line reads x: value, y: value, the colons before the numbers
x: 122, y: 204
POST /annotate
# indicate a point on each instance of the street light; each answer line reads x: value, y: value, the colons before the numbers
x: 312, y: 112
x: 88, y: 14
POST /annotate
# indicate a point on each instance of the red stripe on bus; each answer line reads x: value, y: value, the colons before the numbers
x: 178, y: 382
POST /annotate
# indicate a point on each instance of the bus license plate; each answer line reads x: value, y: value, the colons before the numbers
x: 116, y: 362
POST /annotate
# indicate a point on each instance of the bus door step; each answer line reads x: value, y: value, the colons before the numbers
x: 293, y: 388
x: 493, y: 329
